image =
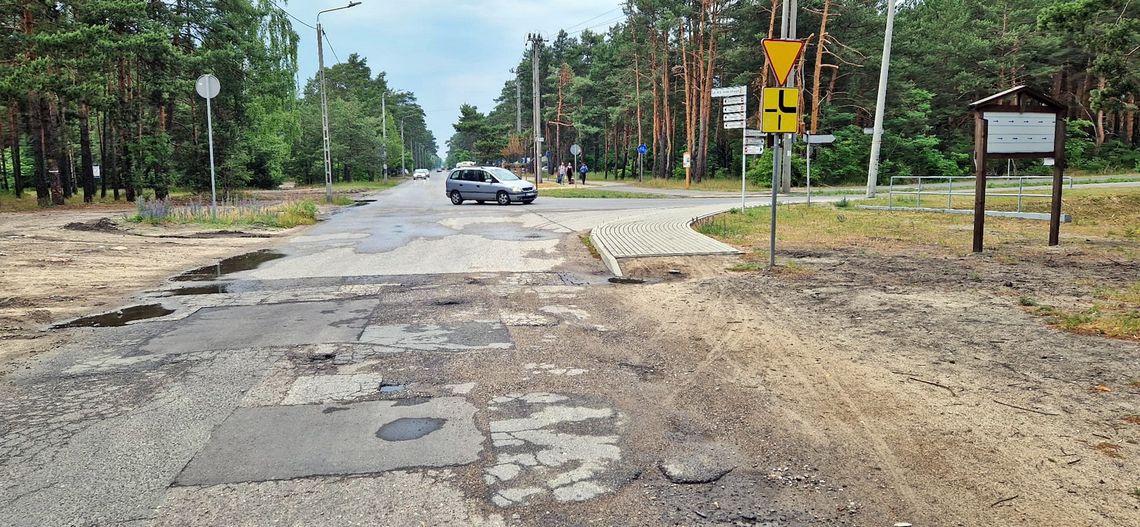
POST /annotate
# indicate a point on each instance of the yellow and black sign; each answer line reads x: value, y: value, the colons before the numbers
x: 781, y: 111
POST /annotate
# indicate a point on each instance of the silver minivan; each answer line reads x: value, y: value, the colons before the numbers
x: 482, y: 184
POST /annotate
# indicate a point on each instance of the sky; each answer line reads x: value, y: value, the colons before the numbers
x: 447, y: 52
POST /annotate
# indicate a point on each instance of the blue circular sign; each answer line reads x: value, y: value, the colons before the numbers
x: 642, y: 149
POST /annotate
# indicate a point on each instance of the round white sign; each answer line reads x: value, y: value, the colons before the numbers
x: 575, y: 149
x: 208, y: 86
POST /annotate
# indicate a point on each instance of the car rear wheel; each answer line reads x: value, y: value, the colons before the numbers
x: 503, y: 198
x: 456, y: 199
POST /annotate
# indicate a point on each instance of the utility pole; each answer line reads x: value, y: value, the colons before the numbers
x: 535, y: 45
x: 325, y: 100
x: 384, y: 131
x: 880, y: 103
x: 403, y: 146
x: 518, y: 104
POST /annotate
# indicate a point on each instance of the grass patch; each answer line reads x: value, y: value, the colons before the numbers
x: 597, y: 193
x: 589, y: 243
x: 229, y: 214
x: 1115, y: 314
x: 1106, y: 224
x: 343, y: 200
x: 710, y: 185
x: 358, y: 186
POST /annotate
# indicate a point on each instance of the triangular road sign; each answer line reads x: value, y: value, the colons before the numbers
x: 782, y: 56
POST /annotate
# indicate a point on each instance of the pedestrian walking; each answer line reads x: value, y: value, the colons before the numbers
x: 561, y: 172
x: 570, y: 172
x: 582, y: 172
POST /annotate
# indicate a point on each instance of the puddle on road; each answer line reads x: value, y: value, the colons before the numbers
x: 233, y: 264
x: 392, y: 388
x: 118, y: 318
x: 625, y: 280
x: 409, y: 428
x: 199, y: 290
x: 359, y: 202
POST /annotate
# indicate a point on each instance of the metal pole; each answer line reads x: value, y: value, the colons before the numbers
x: 535, y: 42
x: 807, y: 148
x: 772, y: 228
x: 518, y: 105
x: 324, y: 113
x: 880, y: 103
x: 402, y: 147
x: 213, y: 186
x: 384, y: 130
x: 743, y: 152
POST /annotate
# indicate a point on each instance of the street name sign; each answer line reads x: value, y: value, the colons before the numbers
x: 730, y: 125
x: 734, y: 116
x: 782, y: 56
x: 729, y: 91
x: 821, y: 139
x: 733, y: 100
x: 781, y: 113
x: 738, y: 108
x: 753, y: 133
x: 754, y: 150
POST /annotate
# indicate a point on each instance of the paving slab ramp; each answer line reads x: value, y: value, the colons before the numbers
x: 659, y: 233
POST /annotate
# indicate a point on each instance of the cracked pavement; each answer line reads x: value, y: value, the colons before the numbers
x: 405, y: 362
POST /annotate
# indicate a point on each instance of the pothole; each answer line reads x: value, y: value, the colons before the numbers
x: 409, y: 428
x: 121, y: 317
x: 214, y: 289
x: 233, y: 264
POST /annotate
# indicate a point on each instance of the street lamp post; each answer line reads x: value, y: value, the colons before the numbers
x: 325, y: 99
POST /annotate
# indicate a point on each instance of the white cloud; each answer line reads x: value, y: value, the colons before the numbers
x: 447, y: 52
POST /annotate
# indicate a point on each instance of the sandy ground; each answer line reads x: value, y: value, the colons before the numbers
x: 51, y: 273
x: 918, y: 382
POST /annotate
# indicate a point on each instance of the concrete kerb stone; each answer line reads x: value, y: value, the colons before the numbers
x: 659, y: 234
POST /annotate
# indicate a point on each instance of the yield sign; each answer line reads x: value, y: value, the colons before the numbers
x: 782, y: 56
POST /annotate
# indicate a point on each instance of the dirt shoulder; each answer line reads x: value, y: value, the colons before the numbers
x: 929, y: 382
x: 60, y: 264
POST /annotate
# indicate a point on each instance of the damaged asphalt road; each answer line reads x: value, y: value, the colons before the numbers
x: 400, y: 365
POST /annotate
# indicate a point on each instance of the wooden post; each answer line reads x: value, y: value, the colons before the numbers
x: 980, y: 133
x: 1058, y: 181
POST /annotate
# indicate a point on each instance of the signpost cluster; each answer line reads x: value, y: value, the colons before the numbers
x: 734, y: 105
x: 781, y: 114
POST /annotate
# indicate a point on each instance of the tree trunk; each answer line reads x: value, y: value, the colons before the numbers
x: 14, y: 130
x: 35, y: 127
x: 85, y: 157
x: 63, y: 157
x: 818, y: 67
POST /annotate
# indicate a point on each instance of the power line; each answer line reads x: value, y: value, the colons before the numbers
x: 602, y: 24
x: 591, y: 18
x: 329, y: 42
x: 282, y: 9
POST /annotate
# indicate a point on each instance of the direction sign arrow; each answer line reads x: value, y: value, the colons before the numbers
x: 739, y: 108
x: 821, y: 139
x: 729, y: 91
x: 733, y: 100
x: 754, y: 141
x: 753, y: 150
x: 734, y: 117
x: 729, y: 125
x: 753, y: 133
x: 782, y: 56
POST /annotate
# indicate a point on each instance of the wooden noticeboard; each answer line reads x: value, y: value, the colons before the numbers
x: 1019, y: 123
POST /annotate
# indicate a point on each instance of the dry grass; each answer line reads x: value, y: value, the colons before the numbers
x: 712, y: 185
x: 1106, y: 228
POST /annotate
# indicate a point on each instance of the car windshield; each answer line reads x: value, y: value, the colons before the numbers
x: 503, y: 174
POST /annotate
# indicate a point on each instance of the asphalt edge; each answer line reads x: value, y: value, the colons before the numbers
x: 608, y: 259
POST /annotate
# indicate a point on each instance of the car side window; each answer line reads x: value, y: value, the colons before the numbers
x: 456, y: 175
x: 472, y: 175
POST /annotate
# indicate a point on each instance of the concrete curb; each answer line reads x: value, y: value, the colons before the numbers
x: 654, y: 235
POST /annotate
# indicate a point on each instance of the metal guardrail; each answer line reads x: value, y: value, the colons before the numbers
x: 950, y: 193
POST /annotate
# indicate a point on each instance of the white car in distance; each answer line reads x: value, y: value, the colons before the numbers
x: 421, y: 173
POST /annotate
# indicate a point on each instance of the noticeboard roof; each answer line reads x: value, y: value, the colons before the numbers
x: 999, y: 101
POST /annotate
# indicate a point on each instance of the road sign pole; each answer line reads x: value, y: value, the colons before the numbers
x: 213, y: 179
x: 775, y: 187
x: 807, y: 149
x: 743, y: 155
